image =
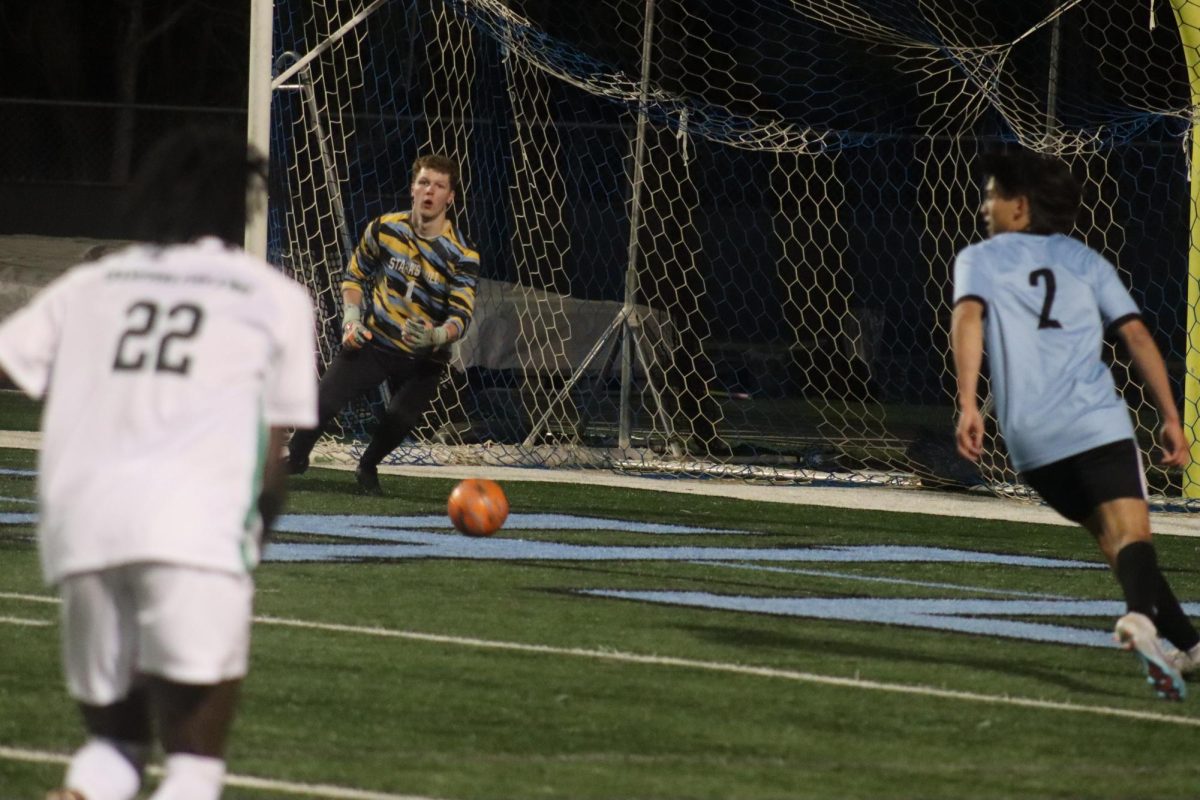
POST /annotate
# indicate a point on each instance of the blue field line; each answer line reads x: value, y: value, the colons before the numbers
x: 973, y: 616
x: 817, y: 573
x: 26, y: 500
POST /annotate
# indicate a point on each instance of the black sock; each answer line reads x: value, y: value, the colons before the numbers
x: 387, y: 437
x: 377, y: 450
x: 301, y: 444
x: 370, y: 460
x: 1137, y: 572
x: 1147, y: 592
x: 1172, y: 623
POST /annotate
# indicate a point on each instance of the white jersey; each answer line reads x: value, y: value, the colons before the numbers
x: 162, y: 370
x: 1048, y: 301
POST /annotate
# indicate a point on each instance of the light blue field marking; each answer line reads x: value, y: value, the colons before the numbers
x: 961, y: 616
x: 406, y: 541
x: 849, y: 576
x: 359, y: 526
x: 430, y: 536
x: 420, y: 545
x: 404, y: 538
x: 20, y: 473
x: 371, y: 526
x: 26, y: 500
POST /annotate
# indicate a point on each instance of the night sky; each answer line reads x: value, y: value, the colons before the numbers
x: 150, y: 51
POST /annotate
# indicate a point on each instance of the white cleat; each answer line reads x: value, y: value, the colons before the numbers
x: 1185, y: 661
x: 1136, y: 633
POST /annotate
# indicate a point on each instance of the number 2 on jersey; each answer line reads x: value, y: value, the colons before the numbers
x: 1045, y: 320
x: 142, y: 338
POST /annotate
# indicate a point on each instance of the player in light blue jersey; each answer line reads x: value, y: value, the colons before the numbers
x: 1043, y: 302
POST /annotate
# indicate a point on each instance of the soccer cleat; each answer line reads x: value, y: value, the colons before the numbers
x: 1135, y: 632
x: 368, y: 480
x: 295, y: 466
x: 1186, y: 661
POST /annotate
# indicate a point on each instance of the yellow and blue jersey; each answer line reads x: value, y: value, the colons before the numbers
x: 405, y: 276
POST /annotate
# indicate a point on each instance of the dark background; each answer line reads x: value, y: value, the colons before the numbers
x: 85, y: 86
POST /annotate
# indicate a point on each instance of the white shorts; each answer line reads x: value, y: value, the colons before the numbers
x: 183, y: 624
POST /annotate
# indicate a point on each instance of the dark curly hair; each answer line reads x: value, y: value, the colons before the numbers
x: 1053, y: 192
x: 193, y: 183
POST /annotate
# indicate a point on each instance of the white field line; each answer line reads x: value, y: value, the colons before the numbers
x: 740, y: 669
x: 320, y: 790
x: 30, y: 598
x: 32, y: 623
x: 712, y: 666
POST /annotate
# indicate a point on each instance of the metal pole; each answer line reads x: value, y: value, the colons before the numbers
x: 635, y: 221
x: 1052, y: 79
x: 346, y: 27
x: 258, y: 120
x: 332, y: 184
x: 562, y: 394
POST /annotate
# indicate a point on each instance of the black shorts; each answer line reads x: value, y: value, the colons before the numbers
x: 1076, y: 485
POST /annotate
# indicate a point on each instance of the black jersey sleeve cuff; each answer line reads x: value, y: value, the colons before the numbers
x: 1116, y: 324
x: 974, y: 297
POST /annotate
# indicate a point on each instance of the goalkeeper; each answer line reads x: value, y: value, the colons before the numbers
x: 407, y: 293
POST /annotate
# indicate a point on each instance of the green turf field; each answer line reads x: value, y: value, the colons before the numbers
x: 524, y: 666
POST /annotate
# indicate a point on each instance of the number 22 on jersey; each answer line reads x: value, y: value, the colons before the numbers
x: 156, y: 338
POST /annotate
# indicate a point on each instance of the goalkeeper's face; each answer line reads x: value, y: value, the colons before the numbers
x: 431, y: 194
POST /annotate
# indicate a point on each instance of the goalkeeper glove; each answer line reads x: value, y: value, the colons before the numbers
x: 354, y: 333
x: 418, y: 334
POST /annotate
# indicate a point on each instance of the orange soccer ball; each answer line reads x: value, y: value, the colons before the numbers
x: 477, y: 507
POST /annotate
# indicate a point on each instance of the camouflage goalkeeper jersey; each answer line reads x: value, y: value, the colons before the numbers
x: 405, y: 276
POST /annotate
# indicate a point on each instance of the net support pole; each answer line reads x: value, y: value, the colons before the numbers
x: 333, y: 185
x: 635, y: 221
x: 258, y: 120
x: 1052, y: 79
x: 1187, y: 17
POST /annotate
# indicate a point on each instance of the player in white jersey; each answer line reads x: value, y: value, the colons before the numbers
x: 1043, y: 302
x: 170, y: 371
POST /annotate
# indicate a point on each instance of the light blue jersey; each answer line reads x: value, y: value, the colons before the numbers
x: 1048, y: 301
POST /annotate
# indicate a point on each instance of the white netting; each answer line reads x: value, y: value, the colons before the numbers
x: 768, y: 206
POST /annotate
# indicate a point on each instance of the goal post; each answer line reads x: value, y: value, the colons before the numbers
x: 717, y: 239
x: 1187, y: 18
x: 258, y: 118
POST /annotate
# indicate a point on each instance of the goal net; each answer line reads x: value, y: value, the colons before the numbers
x: 717, y: 238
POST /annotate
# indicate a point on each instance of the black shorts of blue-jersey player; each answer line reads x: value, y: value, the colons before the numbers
x: 1075, y: 486
x: 413, y: 383
x: 1080, y: 487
